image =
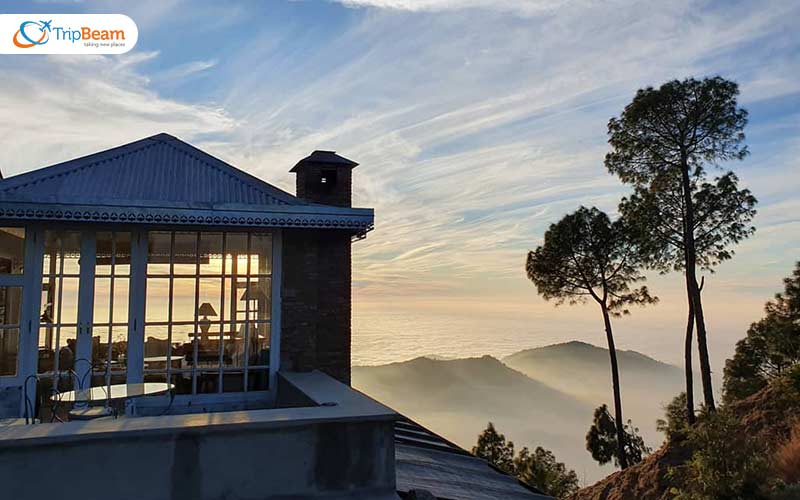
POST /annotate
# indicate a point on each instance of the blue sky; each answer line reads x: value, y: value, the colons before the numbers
x: 477, y: 123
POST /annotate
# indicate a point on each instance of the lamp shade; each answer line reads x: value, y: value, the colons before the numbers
x: 253, y: 292
x: 206, y: 309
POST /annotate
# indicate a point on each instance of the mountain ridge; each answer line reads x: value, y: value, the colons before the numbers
x: 537, y: 397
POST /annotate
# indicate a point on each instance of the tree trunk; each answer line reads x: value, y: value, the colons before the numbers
x: 693, y: 290
x: 612, y: 352
x: 687, y: 353
x: 702, y: 346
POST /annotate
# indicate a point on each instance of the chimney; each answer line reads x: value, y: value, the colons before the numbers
x: 325, y: 177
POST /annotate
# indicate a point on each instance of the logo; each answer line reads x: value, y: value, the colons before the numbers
x: 30, y: 41
x: 67, y: 34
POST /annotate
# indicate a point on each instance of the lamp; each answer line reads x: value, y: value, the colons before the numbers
x: 206, y: 310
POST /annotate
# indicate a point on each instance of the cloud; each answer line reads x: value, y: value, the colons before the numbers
x: 522, y: 6
x: 184, y: 71
x: 57, y: 108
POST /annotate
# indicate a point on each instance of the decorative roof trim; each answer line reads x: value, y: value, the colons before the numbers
x: 356, y: 220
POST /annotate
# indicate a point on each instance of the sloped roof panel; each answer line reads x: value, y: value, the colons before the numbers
x: 148, y: 172
x: 162, y: 179
x: 426, y: 461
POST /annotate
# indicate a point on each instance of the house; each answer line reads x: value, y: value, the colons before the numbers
x: 177, y: 328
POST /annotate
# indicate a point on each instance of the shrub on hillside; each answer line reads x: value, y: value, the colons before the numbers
x: 601, y: 440
x: 674, y: 424
x: 539, y: 469
x: 787, y: 459
x: 726, y: 462
x: 771, y: 347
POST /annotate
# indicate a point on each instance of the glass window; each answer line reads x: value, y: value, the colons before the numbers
x: 158, y: 249
x: 184, y: 255
x: 10, y: 310
x: 9, y: 351
x: 59, y: 305
x: 111, y: 299
x: 12, y: 250
x: 62, y: 251
x: 207, y: 310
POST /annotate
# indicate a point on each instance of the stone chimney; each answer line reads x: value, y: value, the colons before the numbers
x: 316, y: 291
x: 325, y: 177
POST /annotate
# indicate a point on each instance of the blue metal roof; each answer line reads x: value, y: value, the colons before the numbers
x: 162, y: 179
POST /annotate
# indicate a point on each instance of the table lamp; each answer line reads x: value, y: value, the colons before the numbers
x: 205, y: 310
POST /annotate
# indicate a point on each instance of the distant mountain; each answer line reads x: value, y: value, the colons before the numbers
x: 537, y: 397
x: 457, y: 398
x: 583, y: 370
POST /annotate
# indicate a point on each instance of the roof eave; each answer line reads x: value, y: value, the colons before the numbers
x: 356, y: 220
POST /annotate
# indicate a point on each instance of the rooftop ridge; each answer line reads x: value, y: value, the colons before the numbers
x: 229, y: 170
x: 30, y: 179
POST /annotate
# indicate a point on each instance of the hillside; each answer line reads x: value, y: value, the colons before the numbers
x: 767, y: 416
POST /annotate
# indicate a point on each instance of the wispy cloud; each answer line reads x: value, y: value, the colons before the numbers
x: 183, y: 71
x: 523, y: 6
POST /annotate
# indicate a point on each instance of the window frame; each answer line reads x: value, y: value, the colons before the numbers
x: 27, y: 281
x: 246, y: 396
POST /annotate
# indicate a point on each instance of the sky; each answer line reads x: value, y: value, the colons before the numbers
x: 476, y: 123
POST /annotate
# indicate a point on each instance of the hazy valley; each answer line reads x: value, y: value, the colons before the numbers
x: 536, y: 397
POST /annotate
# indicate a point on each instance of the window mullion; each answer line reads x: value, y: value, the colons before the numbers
x: 196, y: 341
x: 110, y: 312
x: 56, y: 361
x: 170, y: 304
x: 222, y: 314
x: 247, y: 315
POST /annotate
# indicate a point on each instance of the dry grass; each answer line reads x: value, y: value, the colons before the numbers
x: 787, y: 460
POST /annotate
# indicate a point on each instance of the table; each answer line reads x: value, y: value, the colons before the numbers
x: 118, y: 391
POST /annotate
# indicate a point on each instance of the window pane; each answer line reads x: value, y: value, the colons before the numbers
x: 121, y: 299
x: 123, y: 260
x: 258, y: 294
x: 235, y: 346
x: 12, y: 250
x: 102, y: 300
x: 261, y: 253
x: 10, y: 305
x: 183, y: 308
x: 182, y: 337
x: 235, y: 303
x: 210, y: 253
x: 210, y: 289
x: 119, y: 347
x: 236, y: 253
x: 157, y: 300
x: 116, y: 245
x: 66, y: 311
x: 158, y: 248
x: 156, y: 346
x: 53, y: 340
x: 62, y: 248
x: 9, y: 349
x: 185, y: 258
